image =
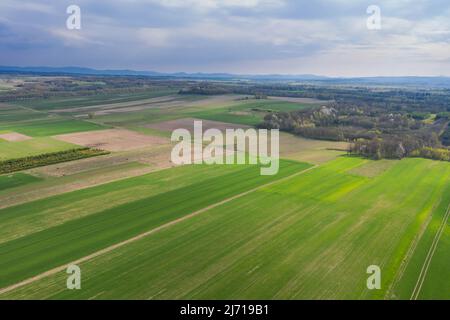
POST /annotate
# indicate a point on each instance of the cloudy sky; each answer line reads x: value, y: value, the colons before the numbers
x: 324, y: 37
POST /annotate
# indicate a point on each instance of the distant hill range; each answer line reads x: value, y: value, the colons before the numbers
x: 408, y: 80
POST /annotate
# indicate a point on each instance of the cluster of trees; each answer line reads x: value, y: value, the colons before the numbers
x: 445, y: 138
x: 375, y: 131
x: 394, y: 147
x: 421, y: 102
x: 205, y: 88
x: 45, y: 159
x: 342, y: 122
x: 432, y: 153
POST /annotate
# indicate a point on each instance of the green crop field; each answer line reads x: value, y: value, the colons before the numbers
x: 435, y: 282
x: 247, y: 112
x: 49, y: 248
x: 16, y: 180
x: 51, y: 127
x: 9, y: 114
x: 32, y: 147
x: 75, y: 102
x: 40, y: 127
x: 23, y: 219
x: 310, y: 236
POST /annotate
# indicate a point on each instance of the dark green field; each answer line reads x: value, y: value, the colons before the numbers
x: 50, y: 127
x: 15, y: 180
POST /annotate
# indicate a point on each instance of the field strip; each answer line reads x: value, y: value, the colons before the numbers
x: 408, y: 256
x: 427, y: 262
x: 145, y: 234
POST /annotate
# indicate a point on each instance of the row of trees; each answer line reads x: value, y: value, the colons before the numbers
x: 445, y: 138
x: 432, y: 153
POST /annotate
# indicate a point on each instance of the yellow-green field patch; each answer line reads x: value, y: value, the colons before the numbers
x: 32, y: 147
x: 311, y: 151
x: 372, y: 169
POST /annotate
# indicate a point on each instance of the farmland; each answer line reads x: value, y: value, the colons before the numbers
x: 50, y: 127
x: 110, y: 226
x: 33, y: 147
x: 141, y: 228
x: 294, y: 235
x: 56, y: 103
x: 34, y: 132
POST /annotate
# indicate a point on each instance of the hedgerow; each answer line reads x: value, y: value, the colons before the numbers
x: 45, y: 159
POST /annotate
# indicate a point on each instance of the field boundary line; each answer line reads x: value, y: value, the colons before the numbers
x: 145, y: 234
x: 410, y: 253
x: 429, y: 257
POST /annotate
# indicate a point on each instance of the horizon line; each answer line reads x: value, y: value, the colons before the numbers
x: 168, y: 73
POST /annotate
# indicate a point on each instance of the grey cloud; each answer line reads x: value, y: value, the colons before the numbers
x: 260, y: 36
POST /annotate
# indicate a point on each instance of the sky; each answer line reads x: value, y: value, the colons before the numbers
x: 322, y: 37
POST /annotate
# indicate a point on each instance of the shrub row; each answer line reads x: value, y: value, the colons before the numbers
x: 47, y: 159
x: 432, y: 153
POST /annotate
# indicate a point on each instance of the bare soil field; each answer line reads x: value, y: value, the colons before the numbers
x: 113, y: 139
x: 188, y: 123
x: 14, y: 137
x: 311, y: 151
x: 156, y: 156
